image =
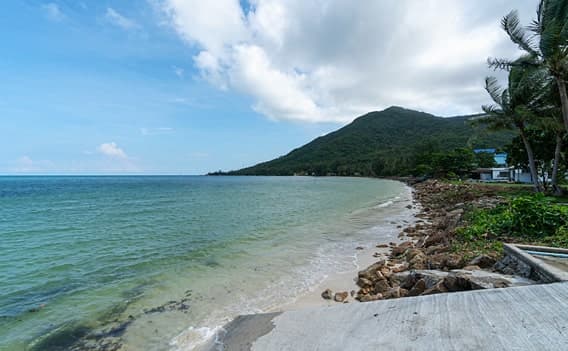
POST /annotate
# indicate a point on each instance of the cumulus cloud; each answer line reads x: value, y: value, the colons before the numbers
x: 315, y: 61
x: 112, y: 150
x: 53, y: 12
x: 119, y: 20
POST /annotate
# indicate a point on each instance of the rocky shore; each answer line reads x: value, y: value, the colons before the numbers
x: 427, y: 261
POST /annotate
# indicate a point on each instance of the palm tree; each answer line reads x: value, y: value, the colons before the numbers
x: 546, y: 40
x: 552, y: 122
x: 512, y: 108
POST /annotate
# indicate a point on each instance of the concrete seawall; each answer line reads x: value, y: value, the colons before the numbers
x: 522, y: 318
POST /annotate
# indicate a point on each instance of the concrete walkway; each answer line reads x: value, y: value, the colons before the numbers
x: 523, y: 318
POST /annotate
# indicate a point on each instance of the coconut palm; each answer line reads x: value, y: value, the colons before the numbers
x: 551, y: 122
x: 513, y: 106
x: 546, y: 40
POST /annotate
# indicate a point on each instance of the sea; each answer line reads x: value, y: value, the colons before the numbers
x: 163, y: 262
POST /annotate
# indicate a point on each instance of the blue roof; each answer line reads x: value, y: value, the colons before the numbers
x: 500, y: 158
x: 489, y: 151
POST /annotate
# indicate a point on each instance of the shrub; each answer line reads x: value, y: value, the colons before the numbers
x: 534, y: 218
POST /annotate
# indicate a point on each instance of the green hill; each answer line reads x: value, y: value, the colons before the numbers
x: 383, y: 143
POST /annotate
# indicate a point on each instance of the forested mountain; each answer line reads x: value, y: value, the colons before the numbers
x: 385, y: 143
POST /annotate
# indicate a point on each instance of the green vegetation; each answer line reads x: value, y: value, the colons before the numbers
x: 393, y: 142
x: 536, y: 97
x: 532, y: 219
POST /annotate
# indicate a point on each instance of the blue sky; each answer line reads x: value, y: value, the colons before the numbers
x: 187, y: 87
x: 73, y: 81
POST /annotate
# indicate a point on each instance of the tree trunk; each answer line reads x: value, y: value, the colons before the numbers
x: 557, y: 154
x: 564, y: 100
x: 532, y: 164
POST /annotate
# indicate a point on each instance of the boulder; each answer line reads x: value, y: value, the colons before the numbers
x: 327, y: 294
x: 453, y: 261
x: 381, y: 286
x: 370, y: 272
x: 364, y: 283
x: 400, y: 249
x: 436, y: 289
x: 483, y: 261
x: 418, y: 288
x: 341, y: 296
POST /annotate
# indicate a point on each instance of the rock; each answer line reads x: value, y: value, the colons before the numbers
x: 418, y: 288
x: 327, y: 294
x: 409, y: 206
x: 385, y: 272
x: 483, y: 261
x: 382, y: 286
x: 436, y: 249
x: 352, y: 293
x: 457, y: 282
x: 368, y: 298
x: 364, y: 283
x: 436, y: 289
x: 392, y: 293
x: 400, y: 268
x: 382, y: 246
x: 370, y: 272
x: 400, y: 249
x: 341, y: 296
x: 471, y: 268
x: 453, y: 261
x: 436, y: 239
x: 359, y: 248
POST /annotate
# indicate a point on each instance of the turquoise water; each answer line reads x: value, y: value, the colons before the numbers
x: 156, y: 263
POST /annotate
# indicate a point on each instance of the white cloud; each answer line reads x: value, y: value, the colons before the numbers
x: 53, y: 12
x: 112, y: 150
x: 119, y: 20
x: 308, y: 60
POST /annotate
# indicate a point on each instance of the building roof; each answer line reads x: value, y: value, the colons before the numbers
x: 489, y: 151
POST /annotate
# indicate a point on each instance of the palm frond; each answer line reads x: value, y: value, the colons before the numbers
x: 489, y: 110
x: 518, y: 34
x: 494, y: 90
x: 500, y: 63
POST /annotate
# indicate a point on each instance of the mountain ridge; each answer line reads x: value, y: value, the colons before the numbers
x: 379, y: 143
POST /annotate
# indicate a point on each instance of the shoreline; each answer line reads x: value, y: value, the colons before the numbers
x: 364, y: 255
x: 386, y: 231
x: 415, y: 259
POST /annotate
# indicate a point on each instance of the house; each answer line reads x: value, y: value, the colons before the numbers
x: 495, y: 174
x: 502, y: 172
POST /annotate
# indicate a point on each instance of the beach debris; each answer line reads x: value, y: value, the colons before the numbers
x: 359, y: 248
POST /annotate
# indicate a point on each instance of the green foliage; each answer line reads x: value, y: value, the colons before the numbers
x: 485, y: 160
x: 393, y: 142
x: 534, y: 218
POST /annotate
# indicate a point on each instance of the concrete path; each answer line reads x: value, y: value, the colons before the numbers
x: 523, y: 318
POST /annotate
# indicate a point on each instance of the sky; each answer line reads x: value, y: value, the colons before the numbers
x: 192, y: 86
